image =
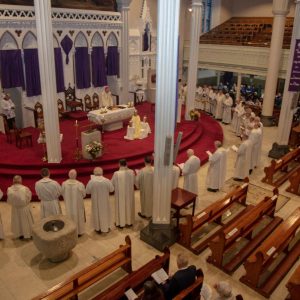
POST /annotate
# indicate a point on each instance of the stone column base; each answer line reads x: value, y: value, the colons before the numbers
x: 159, y: 236
x: 278, y: 151
x: 268, y: 121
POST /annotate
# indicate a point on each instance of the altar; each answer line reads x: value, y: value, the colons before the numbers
x: 111, y: 119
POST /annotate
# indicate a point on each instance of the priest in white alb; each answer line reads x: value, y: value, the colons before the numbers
x: 189, y: 172
x: 99, y: 188
x: 255, y: 138
x: 19, y: 197
x: 227, y: 105
x: 73, y: 192
x: 243, y: 159
x: 217, y: 168
x: 106, y: 97
x: 144, y: 182
x: 1, y: 225
x: 123, y: 181
x: 48, y: 191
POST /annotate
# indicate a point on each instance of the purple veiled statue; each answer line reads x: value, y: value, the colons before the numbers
x: 66, y: 45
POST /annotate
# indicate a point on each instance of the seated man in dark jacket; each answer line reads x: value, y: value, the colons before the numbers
x: 184, y: 277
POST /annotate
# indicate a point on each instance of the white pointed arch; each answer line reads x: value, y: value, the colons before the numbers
x: 112, y: 40
x: 8, y: 41
x: 81, y: 40
x: 29, y: 41
x: 97, y: 40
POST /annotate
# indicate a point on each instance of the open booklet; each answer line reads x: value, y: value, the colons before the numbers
x: 181, y: 166
x: 131, y: 295
x: 208, y: 153
x: 160, y: 276
x: 234, y: 148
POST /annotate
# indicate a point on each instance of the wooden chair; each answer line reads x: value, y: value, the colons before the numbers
x: 61, y: 109
x: 96, y: 101
x: 88, y: 103
x: 10, y: 133
x: 71, y: 100
x: 23, y: 136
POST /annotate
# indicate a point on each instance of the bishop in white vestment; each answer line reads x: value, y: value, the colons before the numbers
x: 123, y: 181
x: 189, y: 172
x: 73, y: 192
x: 19, y: 197
x: 106, y: 97
x: 217, y: 168
x: 48, y: 191
x: 1, y: 226
x: 144, y: 182
x: 99, y: 187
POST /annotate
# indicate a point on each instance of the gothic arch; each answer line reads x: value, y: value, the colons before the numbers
x: 8, y: 41
x: 112, y: 40
x: 55, y: 42
x: 29, y: 41
x: 80, y: 40
x: 97, y: 40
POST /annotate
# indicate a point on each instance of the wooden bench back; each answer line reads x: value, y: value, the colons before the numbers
x: 90, y: 275
x: 293, y: 285
x: 136, y: 279
x: 277, y: 241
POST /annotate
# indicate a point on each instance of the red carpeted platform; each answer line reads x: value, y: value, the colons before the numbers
x: 27, y: 162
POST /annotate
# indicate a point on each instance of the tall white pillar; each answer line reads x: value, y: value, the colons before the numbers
x: 160, y: 232
x: 238, y: 86
x: 123, y: 6
x: 280, y: 10
x: 195, y: 31
x: 286, y: 113
x: 47, y: 75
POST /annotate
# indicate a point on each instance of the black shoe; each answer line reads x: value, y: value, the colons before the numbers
x: 142, y: 216
x: 21, y: 237
x: 128, y: 226
x: 237, y: 179
x: 120, y: 227
x: 98, y: 231
x: 212, y: 190
x: 250, y: 172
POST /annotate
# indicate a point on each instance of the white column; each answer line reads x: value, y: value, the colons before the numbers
x: 280, y: 10
x: 166, y: 77
x: 286, y: 113
x: 123, y: 6
x: 195, y: 29
x: 47, y: 75
x: 238, y: 86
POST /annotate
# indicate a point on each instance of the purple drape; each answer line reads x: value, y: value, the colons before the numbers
x: 66, y: 44
x: 59, y: 70
x: 11, y: 68
x: 82, y: 66
x: 32, y: 72
x: 98, y: 67
x: 112, y: 61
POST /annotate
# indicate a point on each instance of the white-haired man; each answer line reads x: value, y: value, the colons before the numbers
x: 189, y: 172
x: 217, y: 168
x: 73, y: 192
x: 123, y: 181
x: 19, y: 197
x: 1, y: 226
x: 48, y: 191
x: 99, y: 188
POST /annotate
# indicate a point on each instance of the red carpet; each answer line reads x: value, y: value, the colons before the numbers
x: 27, y: 162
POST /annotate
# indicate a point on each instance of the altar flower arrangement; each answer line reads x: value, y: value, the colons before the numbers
x: 195, y: 115
x: 93, y: 148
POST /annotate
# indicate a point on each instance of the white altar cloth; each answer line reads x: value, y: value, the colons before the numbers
x: 111, y: 119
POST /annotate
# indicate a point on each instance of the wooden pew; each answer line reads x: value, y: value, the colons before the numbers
x: 277, y: 244
x: 193, y: 290
x: 293, y: 285
x: 69, y: 289
x: 228, y: 236
x: 212, y: 213
x: 294, y: 183
x: 283, y: 166
x: 136, y: 279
